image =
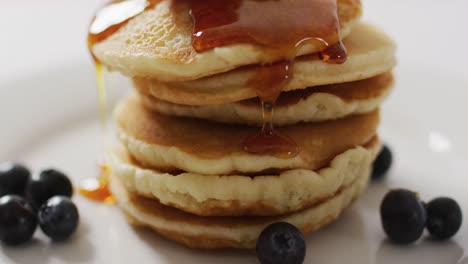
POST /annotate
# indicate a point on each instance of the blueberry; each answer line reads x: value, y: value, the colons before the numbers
x: 444, y: 218
x: 383, y: 163
x: 281, y: 243
x: 50, y: 183
x: 403, y: 216
x: 13, y: 178
x: 17, y: 220
x: 58, y: 218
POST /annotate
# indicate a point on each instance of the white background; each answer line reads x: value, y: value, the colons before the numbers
x: 48, y: 117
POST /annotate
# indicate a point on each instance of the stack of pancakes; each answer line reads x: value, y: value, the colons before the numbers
x: 181, y: 168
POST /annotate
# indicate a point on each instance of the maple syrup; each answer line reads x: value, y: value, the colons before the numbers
x: 97, y: 189
x: 269, y: 140
x: 282, y: 27
x: 107, y: 21
x: 113, y: 16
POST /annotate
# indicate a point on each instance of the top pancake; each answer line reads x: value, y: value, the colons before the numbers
x: 370, y: 53
x: 157, y: 44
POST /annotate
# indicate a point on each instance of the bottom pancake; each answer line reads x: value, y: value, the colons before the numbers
x: 226, y: 232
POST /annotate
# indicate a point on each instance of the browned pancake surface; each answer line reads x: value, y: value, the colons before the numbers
x: 319, y: 142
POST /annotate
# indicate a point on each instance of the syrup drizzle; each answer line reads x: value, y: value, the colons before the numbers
x: 107, y: 21
x: 113, y: 16
x: 282, y: 27
x: 268, y: 83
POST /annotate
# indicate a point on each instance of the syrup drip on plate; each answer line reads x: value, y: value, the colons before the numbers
x: 107, y: 21
x: 281, y: 27
x: 97, y: 189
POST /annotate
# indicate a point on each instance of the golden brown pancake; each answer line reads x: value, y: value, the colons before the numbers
x: 227, y: 232
x: 370, y: 53
x: 204, y: 147
x: 314, y: 104
x: 157, y: 43
x: 236, y: 195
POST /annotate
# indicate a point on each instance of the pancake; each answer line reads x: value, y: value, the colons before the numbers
x: 235, y: 195
x: 226, y: 232
x: 157, y: 43
x: 199, y: 146
x: 370, y: 53
x: 314, y: 104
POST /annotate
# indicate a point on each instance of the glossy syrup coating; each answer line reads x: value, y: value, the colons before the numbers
x: 113, y: 16
x: 222, y: 23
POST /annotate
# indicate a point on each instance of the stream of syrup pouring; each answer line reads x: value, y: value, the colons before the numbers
x: 281, y: 27
x: 107, y: 21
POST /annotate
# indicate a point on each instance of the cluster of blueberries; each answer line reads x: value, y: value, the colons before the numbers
x: 404, y: 217
x: 26, y: 203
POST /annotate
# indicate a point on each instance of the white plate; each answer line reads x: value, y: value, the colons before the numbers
x: 50, y: 119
